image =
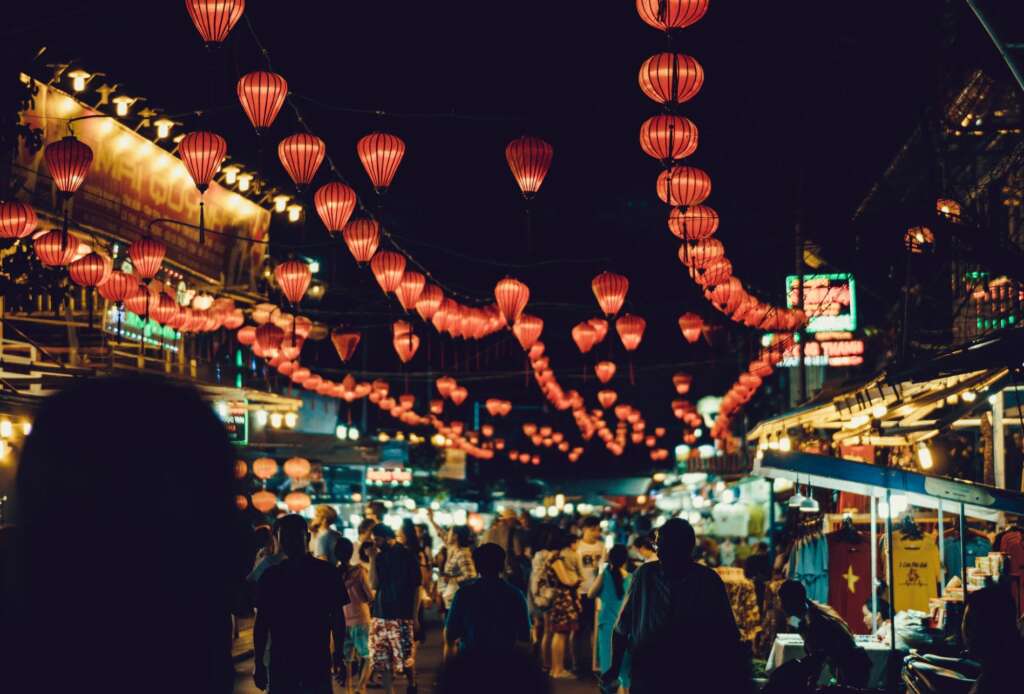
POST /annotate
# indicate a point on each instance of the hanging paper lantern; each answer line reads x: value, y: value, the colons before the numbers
x: 687, y: 185
x: 345, y: 342
x: 17, y: 219
x: 693, y: 223
x: 600, y: 326
x: 68, y: 161
x: 505, y: 408
x: 297, y: 501
x: 429, y: 301
x: 264, y: 468
x: 702, y: 253
x: 269, y: 337
x: 690, y: 324
x: 607, y: 398
x: 671, y: 78
x: 55, y: 249
x: 610, y: 291
x: 511, y: 296
x: 605, y: 370
x: 668, y: 137
x: 297, y: 468
x: 406, y: 345
x: 214, y: 19
x: 335, y: 203
x: 301, y: 155
x: 202, y: 153
x: 631, y: 330
x: 727, y: 296
x: 293, y: 277
x: 362, y: 236
x: 760, y: 368
x: 445, y: 385
x: 529, y: 158
x: 264, y: 501
x: 118, y: 287
x: 407, y: 400
x: 163, y: 309
x: 380, y: 153
x: 388, y: 268
x: 584, y: 335
x: 246, y: 335
x: 527, y: 330
x: 262, y: 95
x: 90, y: 271
x: 493, y: 406
x: 671, y: 14
x: 715, y: 273
x: 410, y: 289
x: 459, y: 395
x: 919, y: 240
x: 682, y: 382
x: 147, y: 255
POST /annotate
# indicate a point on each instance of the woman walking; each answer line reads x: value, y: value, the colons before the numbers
x: 564, y: 614
x: 610, y: 589
x: 356, y: 655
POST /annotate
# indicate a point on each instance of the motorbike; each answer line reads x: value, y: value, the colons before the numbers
x: 932, y: 674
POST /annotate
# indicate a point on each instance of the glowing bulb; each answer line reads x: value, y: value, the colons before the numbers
x: 280, y: 203
x: 261, y: 418
x: 353, y: 434
x: 78, y: 79
x: 341, y: 431
x: 294, y: 213
x: 641, y: 500
x: 26, y: 427
x: 163, y: 128
x: 437, y: 440
x: 230, y: 175
x: 659, y: 477
x: 244, y: 182
x: 291, y: 419
x: 785, y: 445
x: 6, y: 429
x: 924, y: 457
x: 559, y: 500
x: 122, y: 104
x: 969, y: 396
x: 276, y: 419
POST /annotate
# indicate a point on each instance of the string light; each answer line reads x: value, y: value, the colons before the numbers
x: 79, y: 78
x: 281, y: 203
x: 163, y: 127
x: 294, y: 213
x: 122, y: 104
x: 244, y: 182
x: 230, y: 175
x: 924, y: 456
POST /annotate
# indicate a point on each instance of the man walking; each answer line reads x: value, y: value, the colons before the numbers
x: 488, y: 613
x: 299, y: 602
x: 395, y: 577
x: 592, y: 554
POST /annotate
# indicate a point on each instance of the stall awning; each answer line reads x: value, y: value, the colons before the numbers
x: 862, y: 478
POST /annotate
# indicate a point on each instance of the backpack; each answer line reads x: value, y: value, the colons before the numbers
x: 544, y: 593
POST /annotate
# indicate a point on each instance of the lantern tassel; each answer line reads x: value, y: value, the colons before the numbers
x: 202, y: 222
x: 89, y: 304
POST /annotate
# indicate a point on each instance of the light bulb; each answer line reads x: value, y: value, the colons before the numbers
x: 291, y: 419
x: 276, y: 419
x: 341, y: 431
x: 785, y: 445
x: 924, y: 457
x: 294, y: 213
x: 121, y: 105
x: 230, y: 175
x: 244, y: 182
x: 78, y: 79
x: 280, y: 203
x: 163, y: 128
x: 353, y: 434
x: 879, y: 411
x: 969, y: 396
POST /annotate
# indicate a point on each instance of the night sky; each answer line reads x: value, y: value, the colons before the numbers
x: 803, y: 106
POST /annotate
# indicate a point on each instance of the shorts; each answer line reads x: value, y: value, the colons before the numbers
x: 357, y: 642
x: 391, y: 644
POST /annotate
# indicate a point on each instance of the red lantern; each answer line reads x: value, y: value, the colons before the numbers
x: 293, y: 277
x: 55, y: 249
x: 445, y: 385
x: 91, y: 271
x: 584, y: 335
x: 118, y: 287
x: 727, y: 296
x: 262, y: 95
x: 297, y: 468
x: 202, y: 153
x: 529, y: 158
x: 388, y: 268
x: 610, y: 290
x: 600, y: 326
x: 919, y: 240
x: 527, y: 330
x: 68, y: 161
x: 264, y: 501
x: 17, y: 219
x: 147, y: 255
x: 760, y: 368
x: 671, y: 14
x: 246, y: 335
x: 362, y: 236
x: 380, y: 153
x: 301, y: 155
x: 607, y: 398
x: 297, y: 501
x: 671, y: 78
x: 605, y: 370
x: 214, y: 19
x: 668, y: 137
x: 702, y: 253
x: 269, y: 337
x: 716, y: 272
x: 511, y: 296
x: 690, y: 324
x: 687, y: 185
x: 693, y: 223
x: 459, y: 395
x: 264, y: 468
x: 436, y: 406
x: 406, y: 345
x: 163, y: 309
x: 682, y: 382
x: 410, y: 288
x: 631, y: 330
x: 334, y: 203
x: 429, y: 301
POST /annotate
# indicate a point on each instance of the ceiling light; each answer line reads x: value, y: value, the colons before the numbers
x: 230, y: 174
x: 163, y: 128
x: 280, y: 203
x: 924, y: 456
x: 244, y: 182
x: 294, y: 213
x: 79, y: 79
x: 122, y: 104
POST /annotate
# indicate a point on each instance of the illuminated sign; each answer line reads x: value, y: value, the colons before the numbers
x: 827, y: 349
x: 388, y: 476
x: 830, y: 301
x: 235, y: 417
x: 133, y: 328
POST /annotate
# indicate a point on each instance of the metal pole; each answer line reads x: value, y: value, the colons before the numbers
x: 963, y: 547
x: 874, y: 561
x: 1000, y: 46
x: 942, y: 550
x: 799, y: 266
x: 998, y: 440
x: 891, y: 552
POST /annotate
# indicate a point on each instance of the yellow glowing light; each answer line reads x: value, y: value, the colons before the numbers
x: 122, y: 104
x: 6, y: 429
x: 291, y: 419
x: 280, y: 203
x: 294, y: 213
x: 276, y: 419
x: 78, y: 79
x: 785, y: 445
x: 924, y: 457
x: 26, y: 427
x: 383, y: 437
x: 163, y: 128
x: 357, y: 497
x: 244, y: 182
x: 437, y: 440
x: 659, y: 477
x: 642, y: 499
x: 879, y: 411
x: 230, y: 175
x: 969, y: 396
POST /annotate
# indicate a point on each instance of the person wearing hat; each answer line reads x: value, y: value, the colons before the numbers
x: 395, y: 577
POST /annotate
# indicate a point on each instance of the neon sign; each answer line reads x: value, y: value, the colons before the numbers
x: 830, y: 301
x: 388, y: 476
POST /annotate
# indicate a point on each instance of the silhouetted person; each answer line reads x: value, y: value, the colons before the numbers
x: 677, y: 624
x: 493, y: 672
x: 827, y: 638
x: 395, y: 578
x: 298, y: 604
x: 126, y: 544
x: 488, y: 613
x: 991, y: 635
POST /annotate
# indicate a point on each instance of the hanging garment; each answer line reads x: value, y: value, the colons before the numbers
x: 976, y: 547
x: 854, y: 503
x: 743, y: 600
x: 1011, y: 542
x: 808, y: 563
x: 915, y: 568
x: 849, y: 579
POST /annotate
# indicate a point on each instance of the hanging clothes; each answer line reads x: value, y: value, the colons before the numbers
x: 773, y: 620
x: 849, y: 578
x: 808, y: 563
x: 743, y: 600
x: 976, y: 546
x: 1011, y: 542
x: 916, y: 574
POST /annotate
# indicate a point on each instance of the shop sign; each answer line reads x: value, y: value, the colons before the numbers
x: 833, y: 349
x: 236, y: 421
x: 957, y: 491
x: 133, y: 328
x: 830, y: 301
x: 388, y: 476
x: 454, y: 465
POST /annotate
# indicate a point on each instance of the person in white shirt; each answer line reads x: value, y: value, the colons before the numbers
x: 592, y: 555
x: 323, y: 536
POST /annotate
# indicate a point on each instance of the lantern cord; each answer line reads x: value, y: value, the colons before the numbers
x: 202, y: 220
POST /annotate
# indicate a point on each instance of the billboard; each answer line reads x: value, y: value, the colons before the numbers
x: 830, y: 301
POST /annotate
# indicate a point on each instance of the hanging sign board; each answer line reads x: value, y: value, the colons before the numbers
x: 830, y: 301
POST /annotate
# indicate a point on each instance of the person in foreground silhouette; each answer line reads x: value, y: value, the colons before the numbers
x: 678, y: 626
x: 992, y: 637
x: 125, y: 542
x: 492, y: 672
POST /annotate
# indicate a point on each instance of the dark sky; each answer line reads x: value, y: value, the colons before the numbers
x: 811, y: 92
